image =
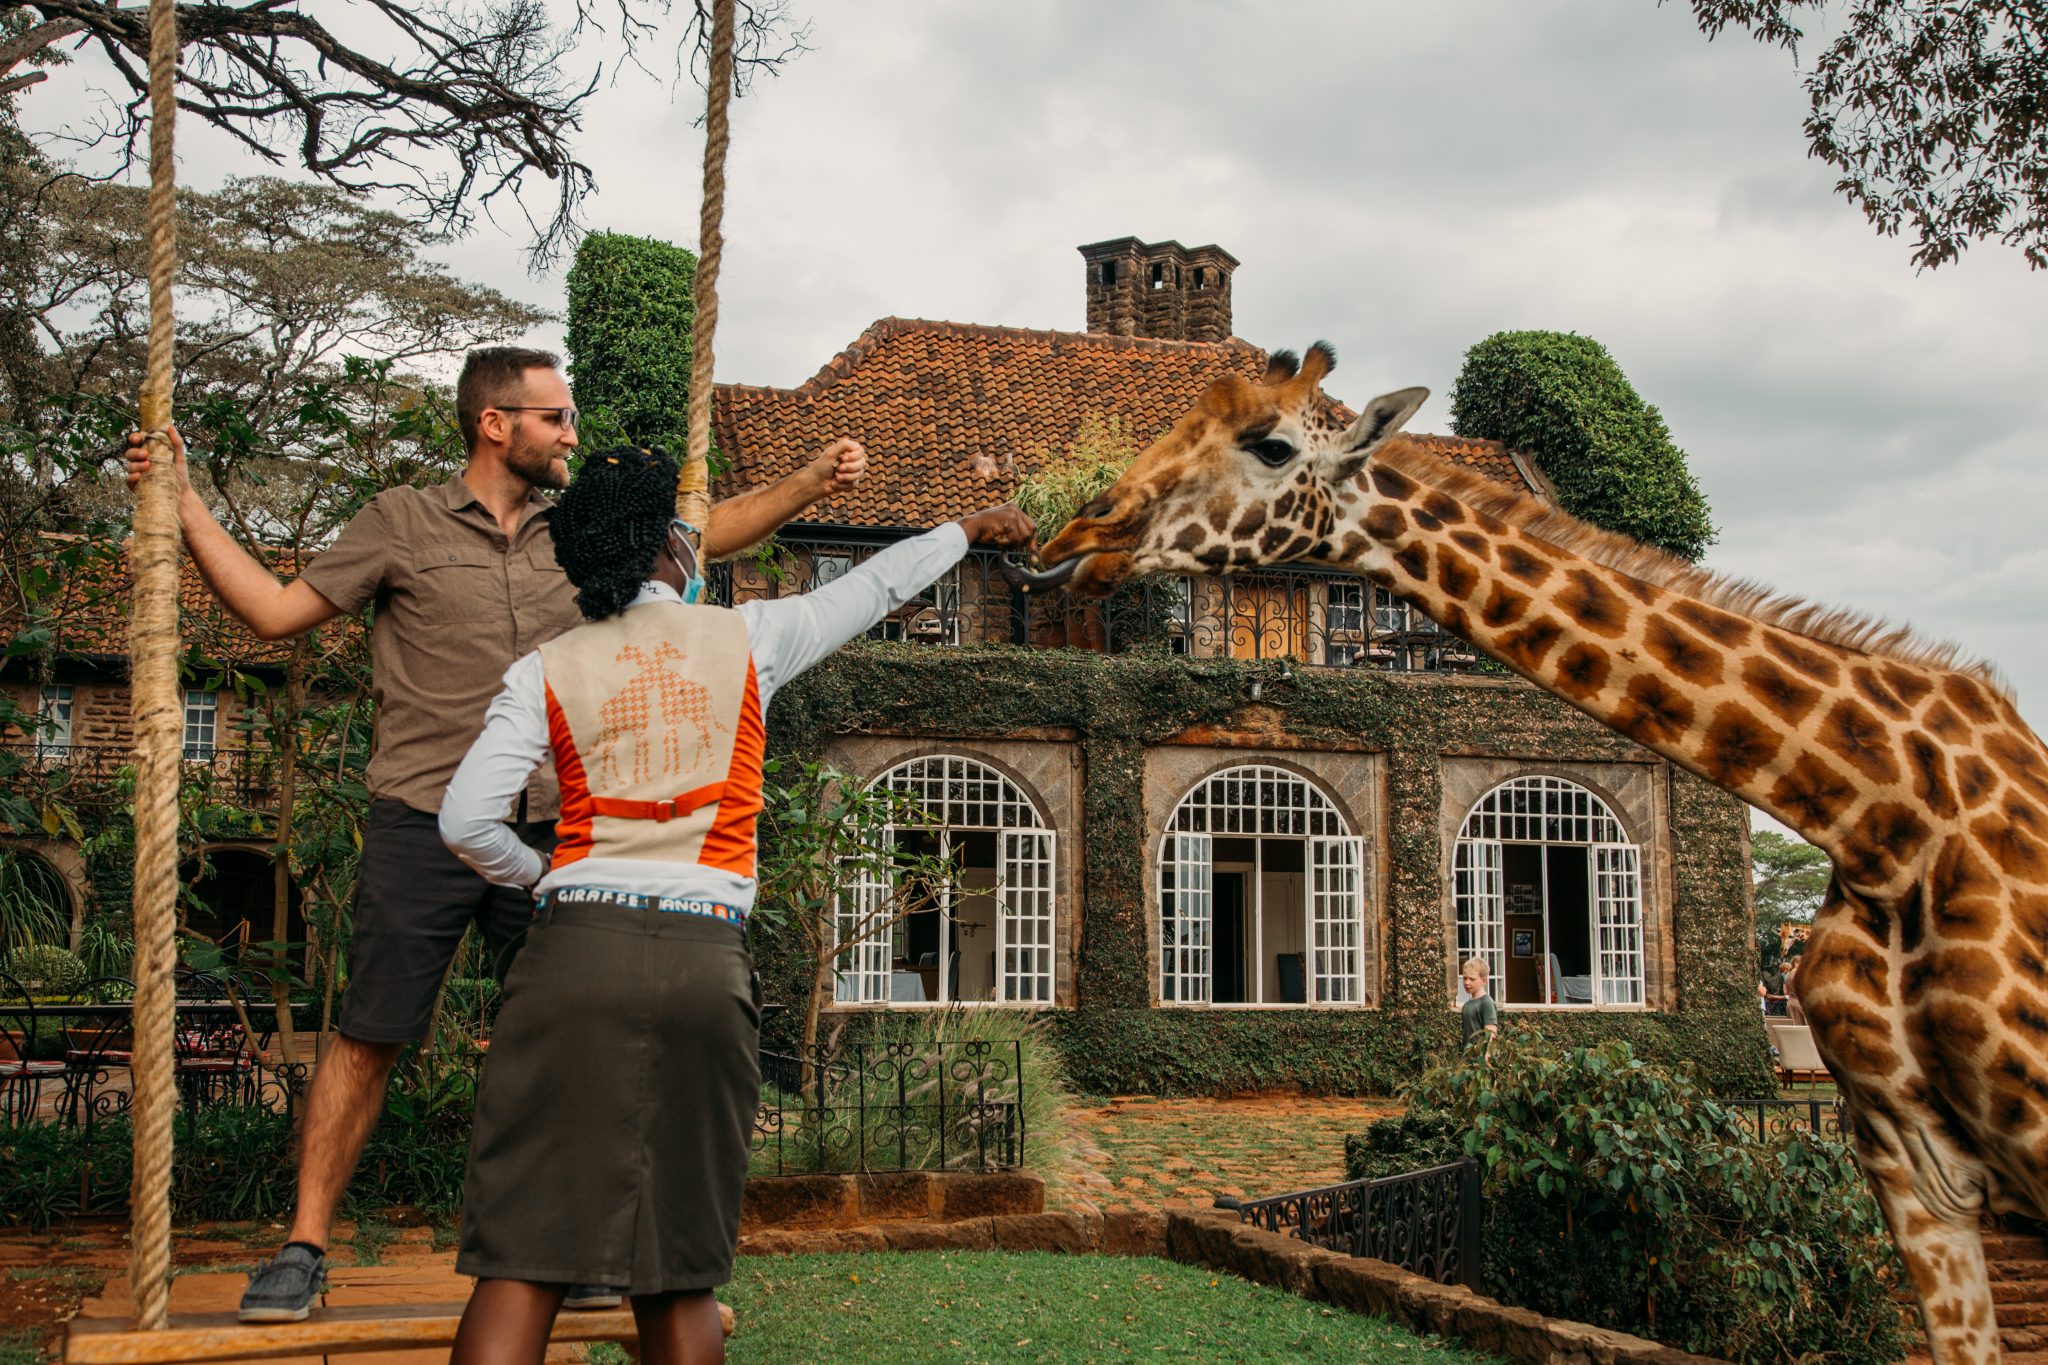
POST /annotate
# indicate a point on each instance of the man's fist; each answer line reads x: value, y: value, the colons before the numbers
x: 1004, y: 527
x: 138, y: 459
x: 839, y: 466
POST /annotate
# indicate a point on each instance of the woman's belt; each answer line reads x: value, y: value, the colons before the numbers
x: 637, y: 900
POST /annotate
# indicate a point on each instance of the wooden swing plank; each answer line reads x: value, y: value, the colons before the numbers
x: 329, y: 1331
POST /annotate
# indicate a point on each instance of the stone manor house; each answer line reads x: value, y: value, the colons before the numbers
x: 1238, y: 830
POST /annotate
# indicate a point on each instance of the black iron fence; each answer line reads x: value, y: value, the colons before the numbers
x: 892, y: 1107
x: 1427, y: 1222
x: 1777, y: 1116
x: 1304, y: 616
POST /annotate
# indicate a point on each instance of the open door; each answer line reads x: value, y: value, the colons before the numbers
x: 1186, y: 900
x: 1024, y: 926
x: 1336, y: 883
x: 1476, y: 876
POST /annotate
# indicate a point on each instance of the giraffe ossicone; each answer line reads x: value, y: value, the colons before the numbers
x: 1926, y: 977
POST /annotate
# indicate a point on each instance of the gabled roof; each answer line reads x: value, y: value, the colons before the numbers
x: 955, y: 414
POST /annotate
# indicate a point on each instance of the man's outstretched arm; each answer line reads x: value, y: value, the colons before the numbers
x: 270, y: 609
x: 742, y: 522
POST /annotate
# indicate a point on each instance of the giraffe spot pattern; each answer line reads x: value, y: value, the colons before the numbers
x: 1966, y: 894
x: 1718, y: 626
x: 1684, y: 653
x: 2017, y: 852
x: 1876, y: 693
x: 1392, y: 483
x: 1283, y: 506
x: 1474, y: 544
x: 1943, y: 1036
x: 1943, y: 723
x: 1454, y: 573
x: 1248, y: 525
x: 1812, y: 794
x: 1190, y: 538
x: 2022, y: 761
x: 2017, y: 1090
x: 1974, y: 780
x: 1274, y: 537
x: 1972, y: 973
x: 1444, y: 508
x: 1654, y: 712
x: 1588, y: 600
x: 1413, y: 561
x: 1519, y: 563
x: 1426, y: 519
x: 1803, y: 657
x: 1738, y: 745
x: 1386, y: 522
x: 1530, y: 645
x: 1928, y: 762
x: 1887, y: 837
x: 1783, y: 695
x: 1907, y: 685
x: 1504, y: 606
x: 1861, y: 739
x: 1969, y: 698
x: 1582, y: 670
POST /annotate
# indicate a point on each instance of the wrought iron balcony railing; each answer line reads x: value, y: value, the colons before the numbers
x: 243, y: 776
x: 1303, y: 616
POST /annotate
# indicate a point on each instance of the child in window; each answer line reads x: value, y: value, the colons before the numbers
x: 1478, y: 1015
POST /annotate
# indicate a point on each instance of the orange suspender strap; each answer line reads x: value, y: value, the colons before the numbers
x: 659, y: 811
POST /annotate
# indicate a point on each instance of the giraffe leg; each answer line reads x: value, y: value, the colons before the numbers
x: 1934, y: 1209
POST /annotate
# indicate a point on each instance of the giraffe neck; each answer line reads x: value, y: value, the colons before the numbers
x: 1805, y: 730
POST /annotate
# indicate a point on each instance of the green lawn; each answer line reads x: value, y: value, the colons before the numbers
x: 911, y: 1308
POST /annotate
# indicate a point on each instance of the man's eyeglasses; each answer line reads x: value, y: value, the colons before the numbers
x: 565, y: 418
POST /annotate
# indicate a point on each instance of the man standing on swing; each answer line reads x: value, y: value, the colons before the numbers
x: 464, y: 579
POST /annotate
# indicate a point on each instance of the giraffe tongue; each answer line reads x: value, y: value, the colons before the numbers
x: 1046, y: 580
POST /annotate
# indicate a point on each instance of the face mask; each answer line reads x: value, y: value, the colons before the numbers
x: 684, y: 553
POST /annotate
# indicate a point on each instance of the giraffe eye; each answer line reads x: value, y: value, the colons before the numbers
x: 1272, y: 452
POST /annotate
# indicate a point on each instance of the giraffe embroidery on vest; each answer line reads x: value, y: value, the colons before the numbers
x: 656, y: 718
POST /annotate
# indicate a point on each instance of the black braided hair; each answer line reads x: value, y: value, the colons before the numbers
x: 611, y: 523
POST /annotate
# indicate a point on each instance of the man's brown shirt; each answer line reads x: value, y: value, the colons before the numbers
x: 457, y: 602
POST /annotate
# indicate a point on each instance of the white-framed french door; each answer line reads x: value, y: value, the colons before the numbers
x: 1187, y: 908
x: 1476, y: 886
x: 1618, y: 924
x: 1336, y: 894
x: 1024, y: 917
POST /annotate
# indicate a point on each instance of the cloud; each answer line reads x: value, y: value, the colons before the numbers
x: 1402, y: 180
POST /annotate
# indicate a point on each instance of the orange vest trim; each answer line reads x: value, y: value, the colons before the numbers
x: 730, y: 844
x: 659, y: 811
x: 572, y: 828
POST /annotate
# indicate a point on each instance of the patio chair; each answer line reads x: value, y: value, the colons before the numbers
x: 22, y: 1073
x: 99, y: 1039
x: 1798, y: 1059
x: 213, y: 1062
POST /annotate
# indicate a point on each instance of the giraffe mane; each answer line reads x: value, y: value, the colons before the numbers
x: 1759, y: 602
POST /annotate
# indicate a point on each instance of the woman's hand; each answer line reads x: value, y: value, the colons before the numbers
x: 1005, y: 527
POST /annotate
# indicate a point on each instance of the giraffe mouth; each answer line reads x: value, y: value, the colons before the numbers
x: 1036, y: 580
x: 1091, y: 573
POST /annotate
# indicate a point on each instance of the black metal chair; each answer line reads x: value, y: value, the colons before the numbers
x: 214, y: 1062
x: 23, y: 1075
x: 99, y: 1043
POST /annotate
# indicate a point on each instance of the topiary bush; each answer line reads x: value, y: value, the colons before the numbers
x: 632, y: 311
x: 1561, y: 398
x: 1622, y: 1194
x: 45, y: 969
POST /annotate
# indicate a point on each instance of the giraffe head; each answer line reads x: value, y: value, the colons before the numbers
x: 1251, y: 476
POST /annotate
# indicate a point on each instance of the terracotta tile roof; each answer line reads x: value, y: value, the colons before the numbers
x: 934, y: 400
x: 91, y: 616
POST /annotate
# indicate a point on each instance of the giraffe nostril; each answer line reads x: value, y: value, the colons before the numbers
x: 1097, y: 510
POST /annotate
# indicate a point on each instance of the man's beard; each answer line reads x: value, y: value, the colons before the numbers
x: 535, y: 463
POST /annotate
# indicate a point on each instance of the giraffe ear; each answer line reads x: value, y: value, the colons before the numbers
x: 1382, y: 417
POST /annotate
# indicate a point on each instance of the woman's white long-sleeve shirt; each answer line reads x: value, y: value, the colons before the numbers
x: 786, y: 636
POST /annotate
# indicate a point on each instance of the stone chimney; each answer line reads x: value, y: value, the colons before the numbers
x: 1159, y: 289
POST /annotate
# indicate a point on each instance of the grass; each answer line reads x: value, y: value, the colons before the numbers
x: 927, y: 1308
x: 21, y: 1348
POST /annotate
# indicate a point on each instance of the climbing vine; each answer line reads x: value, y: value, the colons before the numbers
x: 1114, y: 707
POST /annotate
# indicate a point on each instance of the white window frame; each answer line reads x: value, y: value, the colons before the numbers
x: 966, y: 795
x: 55, y: 705
x: 202, y: 726
x: 1552, y: 812
x: 1263, y: 802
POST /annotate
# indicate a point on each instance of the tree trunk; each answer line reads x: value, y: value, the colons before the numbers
x: 821, y: 990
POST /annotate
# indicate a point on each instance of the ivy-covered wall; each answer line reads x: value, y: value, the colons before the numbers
x: 1114, y: 707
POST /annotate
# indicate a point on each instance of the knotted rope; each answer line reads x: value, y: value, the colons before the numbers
x: 693, y: 486
x: 158, y: 719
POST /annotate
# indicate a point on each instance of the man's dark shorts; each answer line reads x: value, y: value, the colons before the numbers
x: 414, y: 902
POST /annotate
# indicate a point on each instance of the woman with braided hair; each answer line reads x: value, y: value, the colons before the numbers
x: 613, y: 1116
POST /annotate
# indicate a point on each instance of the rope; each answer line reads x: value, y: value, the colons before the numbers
x: 158, y: 719
x: 693, y: 486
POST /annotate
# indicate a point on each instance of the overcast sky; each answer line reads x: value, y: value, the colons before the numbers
x: 1402, y: 180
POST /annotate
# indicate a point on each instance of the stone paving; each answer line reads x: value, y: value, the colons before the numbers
x: 1140, y: 1152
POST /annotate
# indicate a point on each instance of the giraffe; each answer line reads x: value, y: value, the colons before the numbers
x: 1926, y: 978
x: 627, y: 720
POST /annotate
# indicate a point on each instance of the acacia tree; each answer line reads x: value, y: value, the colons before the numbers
x: 1790, y: 877
x: 1935, y: 112
x: 449, y: 105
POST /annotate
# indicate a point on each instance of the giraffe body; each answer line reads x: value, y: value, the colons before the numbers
x: 1926, y: 977
x: 629, y: 731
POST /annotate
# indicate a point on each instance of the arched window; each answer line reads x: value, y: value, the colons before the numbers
x: 1261, y: 895
x: 1549, y: 892
x: 986, y: 938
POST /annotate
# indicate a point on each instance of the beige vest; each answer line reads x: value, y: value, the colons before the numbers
x: 648, y: 712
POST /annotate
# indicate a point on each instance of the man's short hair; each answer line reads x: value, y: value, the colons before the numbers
x: 491, y: 377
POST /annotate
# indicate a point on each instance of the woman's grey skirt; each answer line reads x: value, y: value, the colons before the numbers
x: 616, y: 1106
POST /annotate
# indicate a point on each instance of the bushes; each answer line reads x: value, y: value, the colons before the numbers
x: 1561, y: 397
x: 1621, y: 1194
x: 45, y: 969
x: 631, y: 314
